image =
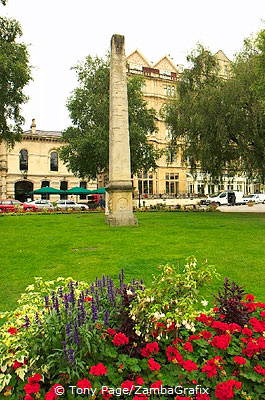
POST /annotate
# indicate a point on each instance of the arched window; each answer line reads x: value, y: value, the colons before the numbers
x: 23, y: 160
x: 45, y: 196
x: 54, y: 161
x: 63, y: 186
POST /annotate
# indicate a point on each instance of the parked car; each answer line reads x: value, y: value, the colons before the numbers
x: 11, y: 205
x: 223, y: 198
x: 256, y: 198
x: 41, y: 204
x: 69, y: 204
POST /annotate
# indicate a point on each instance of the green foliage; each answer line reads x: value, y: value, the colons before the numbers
x: 87, y: 151
x: 14, y: 75
x: 220, y: 121
x: 173, y: 297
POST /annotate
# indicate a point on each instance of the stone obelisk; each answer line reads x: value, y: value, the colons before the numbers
x: 119, y: 189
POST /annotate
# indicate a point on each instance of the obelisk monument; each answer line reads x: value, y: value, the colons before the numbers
x: 119, y: 189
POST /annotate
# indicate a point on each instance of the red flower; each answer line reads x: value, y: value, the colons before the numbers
x: 202, y: 396
x: 111, y: 332
x: 149, y: 349
x: 98, y: 369
x: 139, y: 380
x: 193, y: 337
x: 240, y: 360
x: 156, y: 384
x: 35, y: 378
x: 209, y: 370
x: 250, y: 297
x: 262, y: 314
x: 188, y: 346
x: 128, y: 385
x: 88, y: 298
x: 259, y: 370
x: 221, y: 342
x: 258, y: 326
x: 120, y: 339
x: 205, y: 319
x: 206, y: 334
x: 84, y: 383
x: 183, y: 398
x: 153, y: 365
x: 189, y: 365
x: 173, y: 354
x: 17, y: 364
x: 28, y: 397
x: 224, y: 390
x: 12, y: 331
x: 246, y: 331
x: 140, y: 397
x: 32, y: 388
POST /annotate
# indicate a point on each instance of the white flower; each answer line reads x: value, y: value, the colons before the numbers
x: 129, y: 292
x: 204, y: 303
x: 138, y: 333
x: 133, y: 317
x: 157, y: 315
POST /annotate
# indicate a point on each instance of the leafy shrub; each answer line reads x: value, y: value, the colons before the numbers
x: 173, y: 297
x: 215, y: 360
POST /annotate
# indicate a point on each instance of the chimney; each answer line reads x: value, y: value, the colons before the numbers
x: 33, y: 127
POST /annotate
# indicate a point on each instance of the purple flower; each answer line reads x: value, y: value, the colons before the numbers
x: 68, y: 329
x: 27, y: 322
x: 47, y: 303
x: 94, y: 310
x: 71, y: 356
x: 106, y: 317
x: 76, y: 334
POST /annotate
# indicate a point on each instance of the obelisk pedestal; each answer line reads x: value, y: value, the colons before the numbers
x: 119, y: 189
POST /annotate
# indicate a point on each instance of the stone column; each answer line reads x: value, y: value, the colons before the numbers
x: 120, y: 207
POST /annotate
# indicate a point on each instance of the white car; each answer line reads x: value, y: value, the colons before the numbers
x: 69, y: 204
x: 41, y: 204
x: 223, y: 198
x: 256, y: 198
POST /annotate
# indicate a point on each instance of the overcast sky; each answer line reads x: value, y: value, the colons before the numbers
x: 62, y: 32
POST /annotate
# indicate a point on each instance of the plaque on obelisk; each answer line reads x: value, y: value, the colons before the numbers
x: 119, y: 189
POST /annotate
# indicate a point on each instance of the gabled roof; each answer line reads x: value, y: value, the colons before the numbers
x: 166, y: 63
x: 221, y: 56
x: 137, y: 57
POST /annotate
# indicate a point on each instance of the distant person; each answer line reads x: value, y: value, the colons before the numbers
x: 233, y: 201
x: 101, y: 202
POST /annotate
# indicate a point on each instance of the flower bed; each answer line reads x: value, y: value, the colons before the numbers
x: 105, y: 340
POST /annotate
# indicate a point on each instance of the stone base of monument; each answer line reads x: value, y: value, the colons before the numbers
x: 120, y: 207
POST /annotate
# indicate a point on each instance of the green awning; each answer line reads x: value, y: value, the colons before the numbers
x: 98, y: 191
x: 78, y: 190
x: 47, y: 190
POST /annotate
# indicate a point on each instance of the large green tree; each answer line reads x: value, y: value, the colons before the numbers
x: 87, y: 149
x: 219, y: 123
x: 14, y: 75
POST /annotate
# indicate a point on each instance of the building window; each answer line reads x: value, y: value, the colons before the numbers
x: 200, y: 188
x: 145, y: 183
x: 63, y: 186
x: 83, y: 185
x: 171, y: 156
x: 169, y: 90
x: 45, y: 196
x: 172, y: 183
x: 54, y: 161
x: 23, y: 160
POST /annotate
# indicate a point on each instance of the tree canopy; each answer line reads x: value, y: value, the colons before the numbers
x: 14, y: 75
x: 87, y: 149
x: 219, y: 122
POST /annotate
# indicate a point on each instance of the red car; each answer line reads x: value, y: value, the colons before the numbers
x: 13, y: 205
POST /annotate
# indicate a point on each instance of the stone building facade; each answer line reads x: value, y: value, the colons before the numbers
x: 34, y: 163
x: 172, y: 177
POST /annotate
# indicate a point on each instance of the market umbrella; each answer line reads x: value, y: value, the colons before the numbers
x: 47, y: 190
x: 98, y: 191
x: 78, y: 190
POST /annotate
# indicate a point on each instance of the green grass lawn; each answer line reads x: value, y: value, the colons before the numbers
x: 83, y: 246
